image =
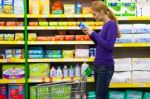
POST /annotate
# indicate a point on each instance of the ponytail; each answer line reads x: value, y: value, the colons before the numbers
x: 113, y: 17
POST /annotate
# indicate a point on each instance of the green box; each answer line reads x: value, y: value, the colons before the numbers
x: 91, y: 95
x: 115, y: 8
x: 146, y: 95
x: 13, y: 71
x: 134, y: 94
x: 38, y: 70
x: 128, y: 9
x: 42, y: 92
x: 116, y: 95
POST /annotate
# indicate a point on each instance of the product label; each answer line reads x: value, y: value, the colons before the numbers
x: 8, y: 1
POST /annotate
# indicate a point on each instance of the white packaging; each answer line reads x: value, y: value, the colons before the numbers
x: 125, y: 38
x: 59, y: 72
x: 123, y: 64
x: 141, y: 37
x: 71, y: 72
x: 126, y: 28
x: 53, y: 72
x: 140, y: 28
x: 77, y: 70
x: 81, y: 51
x: 141, y: 63
x: 18, y: 6
x: 121, y: 77
x: 84, y: 67
x: 69, y: 9
x: 141, y: 76
x: 65, y: 71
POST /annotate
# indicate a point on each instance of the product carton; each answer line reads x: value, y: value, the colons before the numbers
x: 126, y: 28
x: 140, y: 28
x: 13, y: 71
x: 3, y: 92
x: 125, y: 38
x: 34, y: 6
x: 128, y: 9
x: 16, y: 91
x: 141, y: 37
x: 116, y: 95
x: 39, y: 70
x: 141, y: 76
x: 115, y: 8
x: 44, y: 6
x: 18, y: 6
x: 8, y: 6
x: 69, y: 9
x: 134, y: 94
x: 33, y: 92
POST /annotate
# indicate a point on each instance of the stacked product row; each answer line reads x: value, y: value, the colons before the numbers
x: 79, y: 52
x: 129, y: 7
x: 128, y: 94
x: 11, y: 23
x: 12, y: 37
x: 12, y: 91
x: 11, y: 7
x: 131, y: 70
x: 43, y: 7
x: 12, y: 53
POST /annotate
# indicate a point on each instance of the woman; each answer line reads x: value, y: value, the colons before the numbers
x: 104, y: 41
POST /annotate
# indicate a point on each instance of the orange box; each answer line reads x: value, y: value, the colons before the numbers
x: 69, y: 37
x: 11, y: 23
x: 41, y: 38
x: 33, y: 24
x: 59, y: 37
x: 2, y: 23
x: 86, y: 10
x: 50, y: 38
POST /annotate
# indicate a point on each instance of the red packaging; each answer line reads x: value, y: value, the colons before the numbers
x: 41, y: 38
x: 2, y: 23
x: 3, y: 92
x: 87, y: 38
x: 69, y: 37
x: 16, y: 92
x: 11, y: 23
x: 50, y: 38
x: 33, y: 24
x: 59, y: 37
x: 79, y: 37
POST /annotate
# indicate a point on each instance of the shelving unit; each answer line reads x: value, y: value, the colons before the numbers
x: 26, y: 61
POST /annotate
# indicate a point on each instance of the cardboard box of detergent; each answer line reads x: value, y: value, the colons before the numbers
x: 44, y: 6
x: 8, y: 6
x: 3, y: 92
x: 18, y: 6
x: 16, y: 91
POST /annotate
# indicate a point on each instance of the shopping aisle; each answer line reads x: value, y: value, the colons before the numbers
x: 41, y: 42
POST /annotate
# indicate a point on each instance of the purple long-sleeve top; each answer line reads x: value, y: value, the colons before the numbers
x: 104, y: 41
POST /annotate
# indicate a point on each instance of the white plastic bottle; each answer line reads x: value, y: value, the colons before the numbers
x: 59, y: 72
x: 53, y: 72
x: 77, y: 70
x: 84, y: 67
x: 71, y: 71
x: 65, y: 71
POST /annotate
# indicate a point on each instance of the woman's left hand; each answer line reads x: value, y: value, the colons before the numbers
x: 87, y: 31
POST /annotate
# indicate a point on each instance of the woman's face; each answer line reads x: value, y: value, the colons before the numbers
x: 98, y: 15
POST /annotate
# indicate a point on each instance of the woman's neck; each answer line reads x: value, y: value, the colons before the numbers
x: 106, y: 19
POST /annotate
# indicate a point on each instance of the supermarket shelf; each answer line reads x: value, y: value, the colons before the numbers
x: 58, y: 27
x: 13, y: 60
x: 134, y: 18
x: 11, y: 16
x: 63, y: 60
x: 59, y: 42
x: 6, y: 81
x: 60, y: 16
x: 132, y: 45
x: 90, y: 79
x: 11, y: 27
x: 11, y: 42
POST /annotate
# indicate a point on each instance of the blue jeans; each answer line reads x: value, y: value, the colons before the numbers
x: 102, y: 75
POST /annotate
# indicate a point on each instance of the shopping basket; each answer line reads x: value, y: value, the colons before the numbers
x: 62, y: 90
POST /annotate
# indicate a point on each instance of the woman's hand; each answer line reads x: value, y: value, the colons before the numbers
x: 87, y: 31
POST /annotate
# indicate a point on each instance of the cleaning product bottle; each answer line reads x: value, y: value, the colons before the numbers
x: 84, y: 67
x: 65, y: 71
x: 53, y: 72
x: 71, y: 71
x: 77, y: 70
x: 59, y: 72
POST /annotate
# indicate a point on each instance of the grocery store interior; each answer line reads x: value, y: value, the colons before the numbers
x: 43, y: 52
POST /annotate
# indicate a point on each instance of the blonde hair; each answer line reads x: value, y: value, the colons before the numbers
x: 100, y: 6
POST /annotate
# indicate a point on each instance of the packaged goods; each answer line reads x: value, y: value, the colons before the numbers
x: 57, y: 8
x: 1, y: 8
x: 33, y: 92
x: 39, y: 70
x: 13, y: 71
x: 116, y: 95
x: 78, y: 8
x: 50, y: 38
x: 34, y: 7
x: 19, y: 37
x: 65, y: 71
x: 71, y: 71
x: 134, y: 94
x: 69, y: 9
x: 86, y: 10
x: 2, y: 23
x: 3, y: 92
x: 32, y: 36
x: 71, y: 23
x: 11, y: 23
x: 129, y: 9
x: 59, y: 37
x: 146, y: 95
x: 36, y: 52
x: 62, y: 23
x: 1, y: 37
x: 59, y: 72
x: 116, y: 8
x: 53, y: 72
x: 77, y: 70
x: 69, y: 37
x: 139, y: 76
x: 16, y: 91
x: 126, y: 28
x: 9, y: 37
x: 33, y: 23
x: 36, y: 56
x: 18, y: 7
x: 53, y: 23
x: 44, y: 6
x: 68, y: 53
x: 43, y: 23
x: 82, y: 25
x: 8, y: 7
